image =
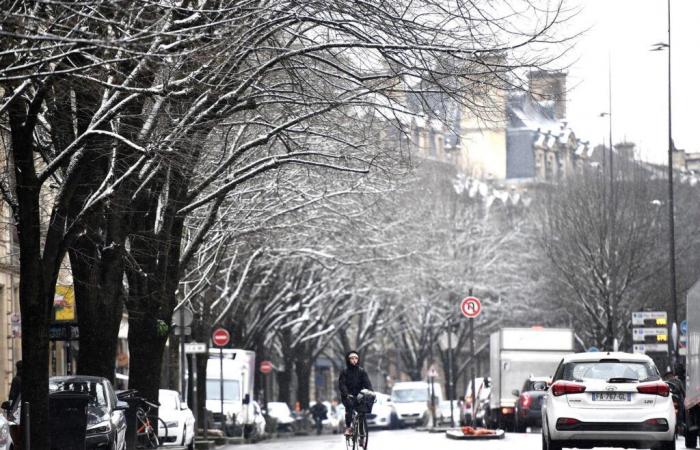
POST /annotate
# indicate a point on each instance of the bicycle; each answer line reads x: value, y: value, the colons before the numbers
x: 146, y: 433
x: 360, y: 432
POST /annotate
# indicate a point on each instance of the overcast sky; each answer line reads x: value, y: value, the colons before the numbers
x: 627, y: 29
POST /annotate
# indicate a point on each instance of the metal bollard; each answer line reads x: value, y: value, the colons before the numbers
x: 27, y: 428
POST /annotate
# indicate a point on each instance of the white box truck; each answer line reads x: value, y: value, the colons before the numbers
x: 515, y: 355
x: 692, y: 381
x: 238, y: 375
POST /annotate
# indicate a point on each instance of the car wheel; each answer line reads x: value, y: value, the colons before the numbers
x: 667, y: 445
x: 691, y: 439
x: 548, y: 444
x: 519, y: 425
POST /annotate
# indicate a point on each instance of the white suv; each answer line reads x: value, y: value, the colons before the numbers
x: 608, y: 400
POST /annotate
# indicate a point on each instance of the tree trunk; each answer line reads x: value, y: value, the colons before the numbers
x: 97, y: 278
x: 302, y: 368
x: 202, y: 361
x: 37, y: 281
x: 146, y: 347
x: 284, y: 383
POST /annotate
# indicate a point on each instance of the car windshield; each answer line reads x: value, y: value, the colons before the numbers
x: 232, y: 390
x: 608, y: 370
x: 409, y: 395
x: 95, y: 389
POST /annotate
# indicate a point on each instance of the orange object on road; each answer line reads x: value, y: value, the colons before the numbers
x: 470, y: 431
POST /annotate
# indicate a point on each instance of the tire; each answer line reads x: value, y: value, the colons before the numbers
x: 691, y: 439
x: 548, y: 444
x: 519, y: 426
x: 667, y: 445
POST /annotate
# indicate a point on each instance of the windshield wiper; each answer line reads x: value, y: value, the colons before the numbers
x: 622, y: 380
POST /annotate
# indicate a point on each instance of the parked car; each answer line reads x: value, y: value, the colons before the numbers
x: 528, y: 408
x: 608, y: 399
x: 448, y: 410
x: 383, y: 413
x: 178, y: 418
x: 483, y: 389
x: 106, y: 423
x: 5, y: 441
x: 283, y: 415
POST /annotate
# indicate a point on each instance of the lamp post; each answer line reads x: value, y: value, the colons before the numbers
x: 671, y: 218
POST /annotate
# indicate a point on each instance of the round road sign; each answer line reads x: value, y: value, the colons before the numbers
x: 265, y: 367
x: 220, y: 337
x: 471, y: 307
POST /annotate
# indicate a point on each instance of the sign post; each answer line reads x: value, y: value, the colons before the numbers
x: 220, y: 338
x: 432, y: 373
x: 650, y: 332
x: 265, y: 369
x: 471, y: 308
x: 195, y: 348
x: 182, y: 319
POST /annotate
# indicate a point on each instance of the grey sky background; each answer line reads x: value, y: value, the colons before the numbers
x: 626, y: 29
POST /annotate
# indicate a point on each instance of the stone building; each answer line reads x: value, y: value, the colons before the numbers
x: 525, y: 137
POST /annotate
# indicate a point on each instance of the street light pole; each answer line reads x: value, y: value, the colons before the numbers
x: 671, y: 208
x: 671, y: 218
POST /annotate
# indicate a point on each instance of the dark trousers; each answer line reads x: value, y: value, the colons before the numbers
x: 349, y: 408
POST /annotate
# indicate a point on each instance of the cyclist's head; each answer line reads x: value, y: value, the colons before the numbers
x: 352, y: 358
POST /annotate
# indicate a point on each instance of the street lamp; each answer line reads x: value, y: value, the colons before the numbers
x: 671, y: 220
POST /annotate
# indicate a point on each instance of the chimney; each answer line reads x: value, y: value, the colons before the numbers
x: 549, y: 87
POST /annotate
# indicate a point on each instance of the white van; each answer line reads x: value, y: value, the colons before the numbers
x: 238, y: 385
x: 411, y: 400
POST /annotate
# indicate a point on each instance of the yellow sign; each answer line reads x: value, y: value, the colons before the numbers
x: 661, y: 338
x: 64, y: 304
x: 661, y: 321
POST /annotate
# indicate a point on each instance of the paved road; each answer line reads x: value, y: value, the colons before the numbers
x: 403, y: 440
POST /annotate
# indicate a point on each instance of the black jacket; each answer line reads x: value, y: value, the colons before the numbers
x: 352, y: 379
x: 319, y: 411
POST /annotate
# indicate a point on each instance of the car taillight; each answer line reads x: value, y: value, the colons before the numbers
x: 567, y: 422
x: 507, y: 410
x: 655, y: 388
x: 525, y: 401
x: 566, y: 387
x: 656, y: 422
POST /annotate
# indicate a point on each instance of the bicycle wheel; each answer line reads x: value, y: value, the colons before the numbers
x: 363, y: 432
x: 355, y: 431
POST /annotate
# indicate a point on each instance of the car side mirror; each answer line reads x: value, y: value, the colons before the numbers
x: 183, y: 406
x: 516, y: 392
x: 246, y: 399
x: 540, y: 386
x: 487, y: 383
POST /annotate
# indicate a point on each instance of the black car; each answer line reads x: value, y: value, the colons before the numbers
x: 528, y: 408
x: 106, y: 423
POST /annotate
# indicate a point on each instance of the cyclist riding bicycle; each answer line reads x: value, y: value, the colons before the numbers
x: 352, y: 380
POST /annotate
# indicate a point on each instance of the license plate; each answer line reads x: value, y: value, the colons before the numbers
x: 612, y: 396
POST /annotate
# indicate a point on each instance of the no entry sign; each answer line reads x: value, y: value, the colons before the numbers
x: 265, y: 367
x: 220, y: 337
x: 471, y: 307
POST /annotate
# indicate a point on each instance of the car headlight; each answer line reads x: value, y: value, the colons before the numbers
x: 101, y: 427
x: 172, y: 424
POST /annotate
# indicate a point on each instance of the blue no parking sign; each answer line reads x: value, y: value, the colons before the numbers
x: 684, y: 327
